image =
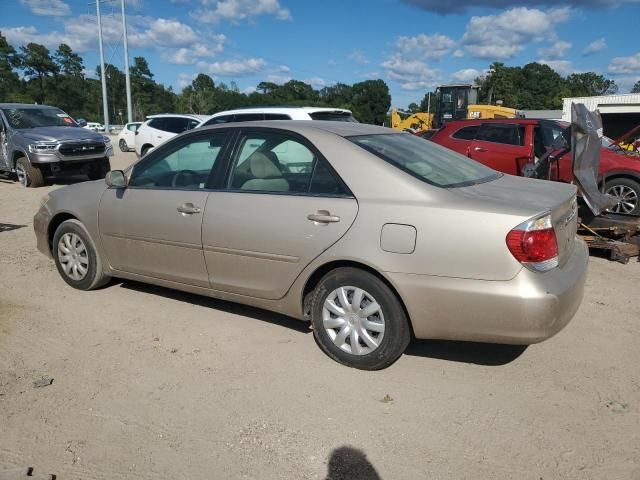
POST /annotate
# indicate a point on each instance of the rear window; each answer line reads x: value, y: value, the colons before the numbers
x: 333, y: 116
x: 427, y: 161
x: 248, y: 117
x: 276, y: 116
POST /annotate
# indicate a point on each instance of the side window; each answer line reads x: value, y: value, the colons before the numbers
x: 192, y: 124
x: 324, y: 181
x: 220, y: 119
x: 466, y: 133
x: 248, y: 117
x: 186, y: 167
x: 158, y: 124
x: 276, y: 116
x: 507, y: 134
x: 133, y: 126
x: 176, y: 124
x: 272, y: 162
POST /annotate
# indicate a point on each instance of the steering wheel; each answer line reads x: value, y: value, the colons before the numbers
x: 189, y: 175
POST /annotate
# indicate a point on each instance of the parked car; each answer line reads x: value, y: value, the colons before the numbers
x: 513, y: 145
x: 37, y: 141
x: 94, y: 126
x: 371, y: 234
x: 157, y: 129
x: 127, y: 136
x: 280, y: 113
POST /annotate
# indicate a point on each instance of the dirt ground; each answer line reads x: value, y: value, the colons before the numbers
x: 151, y: 383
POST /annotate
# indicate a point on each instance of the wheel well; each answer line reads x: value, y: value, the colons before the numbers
x: 620, y: 175
x: 314, y: 279
x: 16, y: 155
x: 54, y: 224
x: 145, y: 146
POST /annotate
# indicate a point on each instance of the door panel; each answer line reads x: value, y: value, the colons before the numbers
x: 503, y: 147
x: 257, y: 244
x: 143, y: 232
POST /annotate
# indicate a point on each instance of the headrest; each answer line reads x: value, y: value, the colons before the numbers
x: 263, y: 167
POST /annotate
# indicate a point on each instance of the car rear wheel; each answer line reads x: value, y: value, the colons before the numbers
x: 358, y: 320
x: 28, y: 175
x: 76, y: 257
x: 627, y: 192
x: 123, y: 145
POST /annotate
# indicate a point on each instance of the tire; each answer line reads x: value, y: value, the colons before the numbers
x: 378, y: 347
x: 28, y: 175
x: 73, y: 236
x: 625, y: 189
x: 123, y: 145
x: 101, y: 170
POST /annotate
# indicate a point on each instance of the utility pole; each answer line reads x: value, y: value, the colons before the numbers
x: 126, y: 63
x: 102, y: 72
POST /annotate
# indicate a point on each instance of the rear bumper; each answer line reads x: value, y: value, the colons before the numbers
x: 527, y: 309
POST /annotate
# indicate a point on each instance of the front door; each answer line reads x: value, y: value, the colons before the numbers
x: 505, y: 147
x: 283, y: 205
x: 153, y: 227
x: 4, y: 154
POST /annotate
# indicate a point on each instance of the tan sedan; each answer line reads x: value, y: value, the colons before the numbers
x: 372, y: 235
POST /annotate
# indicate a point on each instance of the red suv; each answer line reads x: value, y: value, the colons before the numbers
x: 513, y: 146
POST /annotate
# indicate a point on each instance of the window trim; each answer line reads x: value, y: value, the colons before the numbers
x: 451, y: 135
x: 169, y: 148
x: 223, y: 181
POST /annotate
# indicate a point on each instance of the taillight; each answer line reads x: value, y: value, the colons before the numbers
x: 533, y: 243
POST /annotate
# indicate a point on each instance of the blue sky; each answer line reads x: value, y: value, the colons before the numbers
x: 413, y: 45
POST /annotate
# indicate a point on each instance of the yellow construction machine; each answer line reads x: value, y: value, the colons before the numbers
x: 412, y: 122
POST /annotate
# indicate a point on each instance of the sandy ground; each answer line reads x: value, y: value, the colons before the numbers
x: 150, y: 383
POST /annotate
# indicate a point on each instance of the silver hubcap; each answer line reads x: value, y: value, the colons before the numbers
x: 353, y: 320
x: 22, y: 175
x: 73, y: 256
x: 627, y: 198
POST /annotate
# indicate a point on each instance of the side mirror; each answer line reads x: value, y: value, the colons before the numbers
x: 116, y: 178
x: 81, y: 122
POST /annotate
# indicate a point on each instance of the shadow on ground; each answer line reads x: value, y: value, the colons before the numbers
x: 348, y: 463
x: 465, y: 352
x: 229, y: 307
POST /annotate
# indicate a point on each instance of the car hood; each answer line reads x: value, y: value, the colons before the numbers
x: 53, y: 134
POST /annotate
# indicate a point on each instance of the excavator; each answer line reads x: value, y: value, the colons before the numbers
x: 454, y: 102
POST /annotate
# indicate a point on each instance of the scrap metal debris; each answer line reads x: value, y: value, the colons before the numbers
x: 45, y: 381
x: 24, y: 473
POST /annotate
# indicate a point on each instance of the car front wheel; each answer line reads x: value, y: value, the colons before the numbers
x: 627, y: 192
x: 76, y: 257
x: 123, y: 145
x: 358, y: 320
x: 28, y: 175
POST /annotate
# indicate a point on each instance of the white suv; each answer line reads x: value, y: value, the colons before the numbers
x: 158, y: 129
x: 280, y: 113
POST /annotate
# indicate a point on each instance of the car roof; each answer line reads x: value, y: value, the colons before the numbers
x: 281, y: 109
x: 25, y: 105
x: 343, y: 129
x: 476, y: 121
x: 179, y: 115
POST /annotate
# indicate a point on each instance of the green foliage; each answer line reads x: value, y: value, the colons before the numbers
x: 636, y: 87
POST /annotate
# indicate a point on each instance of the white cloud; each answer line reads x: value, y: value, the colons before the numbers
x: 595, y: 47
x: 502, y: 36
x: 458, y: 53
x: 467, y: 75
x: 411, y: 74
x: 284, y: 69
x: 278, y: 79
x: 425, y: 46
x: 234, y: 68
x: 630, y: 64
x: 555, y: 51
x: 238, y: 10
x: 248, y: 90
x: 190, y: 55
x: 625, y: 84
x: 563, y: 67
x: 185, y: 79
x: 48, y: 8
x: 316, y: 82
x: 358, y: 57
x: 370, y: 75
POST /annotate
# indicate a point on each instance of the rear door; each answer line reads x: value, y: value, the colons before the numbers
x: 279, y: 208
x: 506, y: 147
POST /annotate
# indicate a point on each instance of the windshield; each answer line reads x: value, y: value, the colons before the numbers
x: 426, y: 160
x: 20, y: 118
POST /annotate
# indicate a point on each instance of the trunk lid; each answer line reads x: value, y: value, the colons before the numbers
x: 529, y: 198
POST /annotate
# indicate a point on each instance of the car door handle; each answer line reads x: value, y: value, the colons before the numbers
x: 480, y: 149
x: 323, y: 216
x: 189, y: 209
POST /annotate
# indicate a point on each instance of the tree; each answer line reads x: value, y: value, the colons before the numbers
x: 199, y: 97
x: 37, y: 63
x: 371, y: 101
x: 142, y: 88
x: 68, y: 62
x: 590, y: 84
x: 636, y: 87
x: 428, y: 103
x: 9, y: 79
